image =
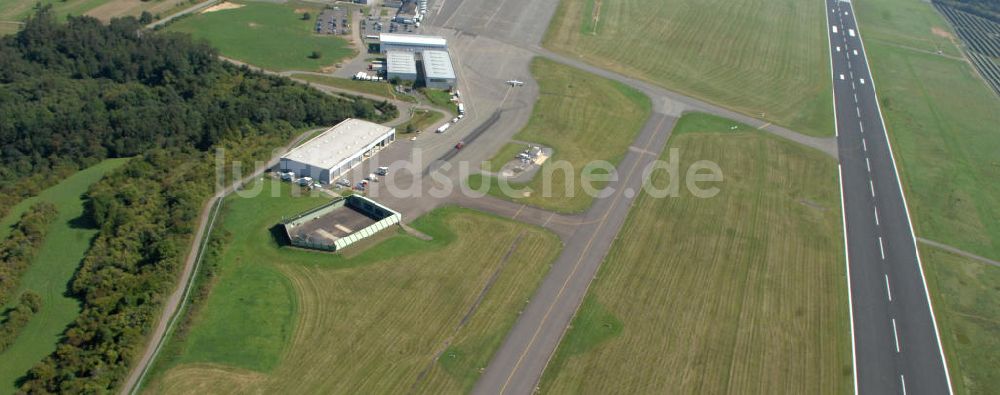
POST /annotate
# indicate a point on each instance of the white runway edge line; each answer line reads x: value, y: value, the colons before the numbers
x: 843, y: 215
x: 906, y: 207
x: 847, y: 268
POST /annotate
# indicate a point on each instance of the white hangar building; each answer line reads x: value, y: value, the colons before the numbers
x: 336, y: 151
x: 438, y: 70
x: 410, y: 42
x: 401, y: 64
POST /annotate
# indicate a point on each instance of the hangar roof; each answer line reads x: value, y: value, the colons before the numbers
x: 412, y: 39
x: 338, y: 143
x: 401, y: 62
x: 437, y: 64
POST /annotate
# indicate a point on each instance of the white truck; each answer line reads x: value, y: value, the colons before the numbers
x: 443, y: 128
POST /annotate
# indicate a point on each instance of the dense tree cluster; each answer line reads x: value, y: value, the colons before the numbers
x: 989, y: 9
x: 74, y: 93
x: 20, y: 247
x: 17, y: 317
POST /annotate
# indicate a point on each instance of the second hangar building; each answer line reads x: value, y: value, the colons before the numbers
x: 336, y: 151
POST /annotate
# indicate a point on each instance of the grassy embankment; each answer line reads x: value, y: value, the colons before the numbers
x: 68, y: 239
x: 583, y: 118
x: 743, y: 292
x: 942, y: 120
x: 280, y: 319
x: 372, y: 88
x: 753, y: 56
x: 268, y: 35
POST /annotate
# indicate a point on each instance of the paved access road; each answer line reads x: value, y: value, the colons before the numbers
x: 896, y: 344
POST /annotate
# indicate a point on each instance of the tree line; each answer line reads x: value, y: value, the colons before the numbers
x: 76, y: 92
x: 18, y: 250
x: 989, y: 9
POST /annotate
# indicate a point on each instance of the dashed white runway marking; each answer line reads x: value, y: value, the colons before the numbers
x: 902, y: 382
x: 871, y: 187
x: 888, y: 291
x: 881, y: 248
x: 864, y: 144
x: 858, y: 109
x: 868, y: 164
x: 895, y: 335
x: 876, y: 210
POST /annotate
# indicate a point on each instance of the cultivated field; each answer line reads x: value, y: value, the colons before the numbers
x: 268, y: 35
x: 965, y: 294
x: 283, y: 320
x: 754, y: 56
x: 59, y: 257
x: 741, y: 293
x: 583, y: 118
x: 17, y: 10
x: 943, y: 119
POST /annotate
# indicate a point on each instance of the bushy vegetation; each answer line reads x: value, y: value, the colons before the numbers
x: 16, y: 318
x: 74, y: 93
x: 20, y: 247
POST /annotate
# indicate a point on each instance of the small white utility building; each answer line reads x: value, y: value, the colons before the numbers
x: 336, y: 151
x: 401, y: 64
x: 438, y: 71
x: 410, y: 42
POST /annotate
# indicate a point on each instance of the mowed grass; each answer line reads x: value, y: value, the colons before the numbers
x: 18, y: 10
x: 267, y: 35
x: 754, y: 56
x: 583, y: 118
x: 743, y: 292
x: 965, y: 294
x: 65, y: 244
x: 420, y: 121
x: 286, y: 320
x: 943, y: 122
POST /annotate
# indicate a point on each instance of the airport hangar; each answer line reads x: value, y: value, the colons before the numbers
x: 410, y: 42
x: 336, y: 151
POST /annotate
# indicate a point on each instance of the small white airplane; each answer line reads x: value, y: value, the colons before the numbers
x: 515, y: 83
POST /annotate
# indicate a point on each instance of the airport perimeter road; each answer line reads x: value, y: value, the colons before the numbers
x: 896, y: 344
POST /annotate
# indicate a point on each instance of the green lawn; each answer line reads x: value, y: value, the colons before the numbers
x: 268, y: 35
x: 743, y: 292
x: 421, y: 120
x: 280, y: 319
x: 942, y: 120
x: 49, y: 275
x: 17, y: 10
x: 965, y: 295
x: 441, y: 99
x: 754, y: 56
x: 583, y: 118
x: 372, y: 88
x: 506, y: 154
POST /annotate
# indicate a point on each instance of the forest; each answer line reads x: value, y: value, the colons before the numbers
x: 77, y: 91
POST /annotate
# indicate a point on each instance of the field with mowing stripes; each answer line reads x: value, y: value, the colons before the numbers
x: 754, y: 56
x: 67, y: 241
x: 284, y: 320
x: 942, y: 119
x: 744, y: 292
x: 583, y: 118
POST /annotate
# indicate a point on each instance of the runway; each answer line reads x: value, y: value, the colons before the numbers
x: 896, y: 346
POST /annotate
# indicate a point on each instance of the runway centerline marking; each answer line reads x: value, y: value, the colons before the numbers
x: 871, y: 187
x: 888, y: 291
x: 876, y: 211
x: 864, y: 144
x: 895, y: 335
x: 868, y: 163
x: 902, y: 383
x: 881, y: 248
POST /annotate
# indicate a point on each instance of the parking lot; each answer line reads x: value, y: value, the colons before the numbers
x: 333, y: 21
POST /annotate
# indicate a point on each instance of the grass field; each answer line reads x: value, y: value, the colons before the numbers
x: 441, y: 99
x: 965, y: 294
x: 507, y: 153
x: 942, y: 121
x: 583, y: 118
x: 280, y: 319
x: 740, y: 293
x: 60, y: 255
x: 754, y: 56
x: 421, y: 120
x: 268, y: 35
x: 372, y: 88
